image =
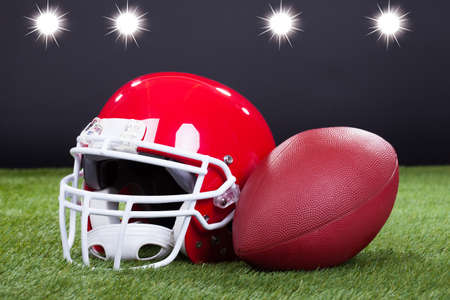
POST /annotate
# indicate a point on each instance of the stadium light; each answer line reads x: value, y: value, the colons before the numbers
x: 390, y: 23
x: 127, y: 24
x: 47, y: 24
x: 281, y: 23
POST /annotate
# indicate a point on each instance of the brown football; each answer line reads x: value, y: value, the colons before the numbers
x: 317, y: 200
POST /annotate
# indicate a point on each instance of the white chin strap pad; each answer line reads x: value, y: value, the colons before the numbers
x: 137, y: 235
x: 105, y: 233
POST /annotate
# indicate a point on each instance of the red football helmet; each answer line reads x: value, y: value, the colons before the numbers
x: 168, y: 146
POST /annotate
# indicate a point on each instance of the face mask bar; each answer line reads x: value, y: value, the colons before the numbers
x: 80, y: 199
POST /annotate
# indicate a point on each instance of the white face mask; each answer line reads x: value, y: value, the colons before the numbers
x: 110, y: 227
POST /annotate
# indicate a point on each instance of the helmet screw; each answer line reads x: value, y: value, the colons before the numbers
x: 228, y: 159
x: 198, y: 244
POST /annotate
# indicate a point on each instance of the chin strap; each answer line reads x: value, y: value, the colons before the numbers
x: 138, y: 235
x: 106, y: 230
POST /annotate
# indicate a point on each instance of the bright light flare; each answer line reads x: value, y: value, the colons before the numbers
x: 390, y: 23
x: 127, y: 24
x: 47, y: 24
x: 281, y: 23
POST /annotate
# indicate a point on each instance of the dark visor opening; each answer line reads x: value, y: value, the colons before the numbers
x: 133, y: 178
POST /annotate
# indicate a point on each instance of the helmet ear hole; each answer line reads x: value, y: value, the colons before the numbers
x: 149, y: 251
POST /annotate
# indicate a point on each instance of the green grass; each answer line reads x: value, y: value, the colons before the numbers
x: 408, y: 259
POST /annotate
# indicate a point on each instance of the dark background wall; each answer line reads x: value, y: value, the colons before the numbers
x: 334, y: 75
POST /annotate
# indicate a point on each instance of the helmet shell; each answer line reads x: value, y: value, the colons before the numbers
x: 203, y: 116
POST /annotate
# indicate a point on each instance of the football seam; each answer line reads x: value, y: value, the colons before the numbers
x: 328, y: 222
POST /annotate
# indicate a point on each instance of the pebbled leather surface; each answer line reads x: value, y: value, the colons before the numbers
x: 316, y: 200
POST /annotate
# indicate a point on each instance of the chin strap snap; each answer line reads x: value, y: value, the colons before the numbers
x: 137, y: 236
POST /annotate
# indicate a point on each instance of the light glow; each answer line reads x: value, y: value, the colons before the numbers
x: 127, y: 24
x: 281, y: 23
x: 47, y: 24
x: 390, y: 23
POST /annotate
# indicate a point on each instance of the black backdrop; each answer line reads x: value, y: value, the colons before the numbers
x: 334, y: 74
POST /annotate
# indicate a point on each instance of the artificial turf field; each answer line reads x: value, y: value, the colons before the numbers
x: 408, y: 259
